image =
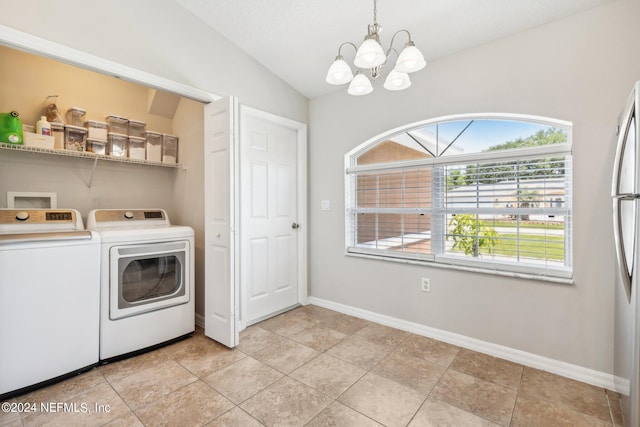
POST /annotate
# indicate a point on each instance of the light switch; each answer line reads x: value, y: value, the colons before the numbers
x: 325, y: 205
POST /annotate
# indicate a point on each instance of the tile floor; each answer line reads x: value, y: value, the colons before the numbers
x: 315, y: 367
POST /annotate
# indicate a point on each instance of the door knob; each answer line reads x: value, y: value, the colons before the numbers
x: 295, y: 225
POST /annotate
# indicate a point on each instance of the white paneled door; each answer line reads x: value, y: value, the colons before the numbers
x: 270, y: 221
x: 221, y: 300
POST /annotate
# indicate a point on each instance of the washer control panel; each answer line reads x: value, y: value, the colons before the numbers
x: 39, y: 220
x: 36, y: 216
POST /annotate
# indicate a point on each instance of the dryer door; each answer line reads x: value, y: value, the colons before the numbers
x: 147, y: 277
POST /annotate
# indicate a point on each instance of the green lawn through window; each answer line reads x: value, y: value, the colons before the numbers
x: 533, y: 244
x: 547, y: 247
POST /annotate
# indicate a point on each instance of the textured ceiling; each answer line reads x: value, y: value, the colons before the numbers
x: 298, y: 39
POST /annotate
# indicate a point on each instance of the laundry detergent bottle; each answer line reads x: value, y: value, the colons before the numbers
x: 10, y: 128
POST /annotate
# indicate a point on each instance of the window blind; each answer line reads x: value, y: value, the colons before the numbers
x: 516, y: 211
x: 502, y: 213
x: 391, y: 211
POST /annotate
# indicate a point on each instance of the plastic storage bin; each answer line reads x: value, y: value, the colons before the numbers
x: 169, y: 148
x: 154, y: 146
x: 137, y: 148
x: 75, y: 116
x: 97, y: 130
x: 57, y: 131
x: 75, y: 138
x: 96, y: 146
x: 117, y: 144
x: 118, y: 124
x: 136, y: 128
x: 31, y: 139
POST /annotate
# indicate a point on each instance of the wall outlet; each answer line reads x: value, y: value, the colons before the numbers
x: 325, y: 205
x: 425, y: 284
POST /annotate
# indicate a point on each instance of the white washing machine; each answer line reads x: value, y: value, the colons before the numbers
x: 49, y: 297
x: 147, y: 280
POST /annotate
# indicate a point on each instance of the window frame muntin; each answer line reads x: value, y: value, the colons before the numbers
x: 515, y: 269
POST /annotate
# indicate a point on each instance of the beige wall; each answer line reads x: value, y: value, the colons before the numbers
x: 114, y: 185
x: 157, y: 37
x: 24, y: 85
x: 579, y: 69
x: 27, y: 79
x: 188, y: 191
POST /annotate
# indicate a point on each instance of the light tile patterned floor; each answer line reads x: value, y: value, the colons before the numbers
x: 315, y: 367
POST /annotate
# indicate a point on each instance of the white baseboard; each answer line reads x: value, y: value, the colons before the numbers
x: 586, y: 375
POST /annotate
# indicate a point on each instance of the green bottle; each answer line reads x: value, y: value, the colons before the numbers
x: 10, y: 128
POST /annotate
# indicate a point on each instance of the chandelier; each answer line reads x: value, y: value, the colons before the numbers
x: 370, y: 56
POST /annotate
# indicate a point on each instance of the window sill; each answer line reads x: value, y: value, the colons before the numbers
x: 472, y: 269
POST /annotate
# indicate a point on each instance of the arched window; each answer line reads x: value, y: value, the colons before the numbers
x: 484, y: 191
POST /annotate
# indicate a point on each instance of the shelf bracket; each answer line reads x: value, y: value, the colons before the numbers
x: 93, y: 172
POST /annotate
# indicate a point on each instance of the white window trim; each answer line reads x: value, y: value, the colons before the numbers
x: 512, y: 154
x: 560, y: 276
x: 517, y: 269
x: 454, y: 118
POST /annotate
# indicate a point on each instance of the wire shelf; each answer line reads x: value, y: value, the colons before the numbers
x: 85, y: 155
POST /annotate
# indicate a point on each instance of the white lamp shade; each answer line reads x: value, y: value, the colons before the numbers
x: 339, y: 73
x: 410, y: 60
x: 397, y: 81
x: 369, y: 54
x: 360, y: 85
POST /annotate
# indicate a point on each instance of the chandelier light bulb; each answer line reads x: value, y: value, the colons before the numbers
x: 397, y: 80
x: 360, y: 85
x: 369, y: 54
x: 339, y: 73
x: 410, y: 59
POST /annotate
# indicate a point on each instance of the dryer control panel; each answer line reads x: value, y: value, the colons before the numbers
x: 102, y: 219
x: 108, y: 215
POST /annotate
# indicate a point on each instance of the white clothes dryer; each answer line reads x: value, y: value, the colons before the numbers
x: 49, y: 297
x: 147, y: 280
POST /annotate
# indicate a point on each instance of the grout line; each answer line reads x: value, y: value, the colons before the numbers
x: 120, y: 397
x: 613, y: 423
x: 173, y: 356
x: 224, y: 396
x: 518, y: 389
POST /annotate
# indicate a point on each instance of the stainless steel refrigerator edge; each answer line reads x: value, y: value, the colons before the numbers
x: 626, y: 192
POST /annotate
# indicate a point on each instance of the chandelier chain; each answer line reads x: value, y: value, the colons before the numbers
x: 375, y: 12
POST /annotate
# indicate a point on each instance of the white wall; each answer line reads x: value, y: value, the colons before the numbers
x: 578, y: 69
x: 575, y: 69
